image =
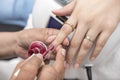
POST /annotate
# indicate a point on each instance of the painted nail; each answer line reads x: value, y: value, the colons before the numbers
x: 51, y: 48
x: 63, y: 52
x: 76, y: 66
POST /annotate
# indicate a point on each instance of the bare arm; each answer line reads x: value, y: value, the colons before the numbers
x: 7, y: 44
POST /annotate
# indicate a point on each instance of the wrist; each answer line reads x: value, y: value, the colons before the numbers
x: 8, y: 42
x: 15, y: 43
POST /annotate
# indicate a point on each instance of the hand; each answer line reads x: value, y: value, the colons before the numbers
x: 30, y: 68
x: 25, y: 37
x: 94, y: 22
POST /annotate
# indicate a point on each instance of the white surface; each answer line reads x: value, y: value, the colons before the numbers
x: 42, y: 12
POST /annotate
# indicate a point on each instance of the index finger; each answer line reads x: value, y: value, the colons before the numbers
x: 66, y: 29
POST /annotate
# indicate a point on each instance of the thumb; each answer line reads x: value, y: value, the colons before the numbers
x: 28, y: 69
x: 66, y: 10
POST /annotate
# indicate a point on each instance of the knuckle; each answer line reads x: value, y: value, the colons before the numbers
x: 79, y: 59
x: 74, y: 44
x: 85, y: 18
x: 86, y: 45
x: 100, y: 44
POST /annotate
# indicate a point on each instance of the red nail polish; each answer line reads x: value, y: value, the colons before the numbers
x: 51, y: 48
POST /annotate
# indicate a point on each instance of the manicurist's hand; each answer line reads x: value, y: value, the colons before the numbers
x: 14, y: 44
x: 26, y: 37
x: 31, y: 68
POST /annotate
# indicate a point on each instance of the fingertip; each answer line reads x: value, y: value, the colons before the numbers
x: 66, y: 42
x: 63, y: 52
x: 40, y: 56
x: 55, y: 11
x: 92, y: 58
x: 59, y: 12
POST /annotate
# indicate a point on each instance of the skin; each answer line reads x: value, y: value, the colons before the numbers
x: 95, y: 18
x: 14, y: 44
x: 30, y: 68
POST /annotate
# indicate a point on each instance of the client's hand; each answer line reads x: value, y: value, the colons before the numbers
x: 94, y: 21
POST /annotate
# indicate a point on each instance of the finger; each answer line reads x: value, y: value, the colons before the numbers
x: 29, y: 69
x: 101, y: 41
x: 65, y: 31
x: 66, y: 10
x: 86, y: 45
x: 66, y: 42
x: 48, y: 32
x: 76, y: 42
x: 60, y: 59
x: 51, y: 39
x: 53, y: 55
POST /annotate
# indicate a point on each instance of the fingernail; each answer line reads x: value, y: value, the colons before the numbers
x: 63, y: 52
x: 48, y: 55
x: 50, y: 38
x: 76, y: 66
x: 67, y: 43
x: 51, y: 48
x: 92, y: 59
x: 31, y: 56
x: 39, y: 56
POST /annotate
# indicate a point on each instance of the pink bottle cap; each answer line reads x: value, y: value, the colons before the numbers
x: 37, y: 47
